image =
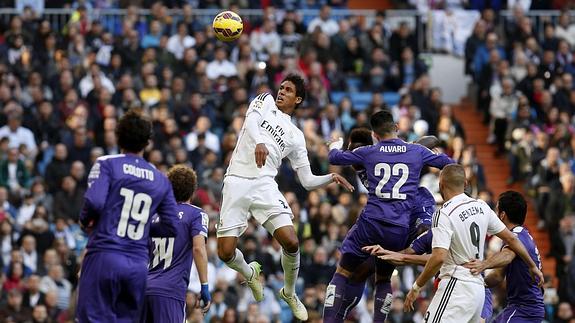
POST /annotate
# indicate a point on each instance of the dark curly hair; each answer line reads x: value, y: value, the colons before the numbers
x: 134, y: 130
x: 360, y: 137
x: 184, y: 181
x: 299, y: 83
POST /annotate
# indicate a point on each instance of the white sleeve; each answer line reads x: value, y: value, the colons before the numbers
x: 495, y: 225
x: 256, y: 110
x: 442, y: 231
x: 261, y: 104
x: 298, y: 156
x: 252, y: 127
x: 310, y: 181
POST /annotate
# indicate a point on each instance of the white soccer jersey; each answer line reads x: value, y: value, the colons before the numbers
x: 461, y: 226
x: 281, y: 137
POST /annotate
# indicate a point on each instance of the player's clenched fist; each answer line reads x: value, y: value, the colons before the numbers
x: 261, y: 153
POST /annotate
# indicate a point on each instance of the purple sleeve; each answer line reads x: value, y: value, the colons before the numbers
x: 199, y: 225
x: 168, y: 215
x: 432, y: 159
x: 422, y: 244
x: 344, y: 158
x: 97, y: 193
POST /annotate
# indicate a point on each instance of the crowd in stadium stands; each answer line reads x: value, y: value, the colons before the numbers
x: 62, y: 91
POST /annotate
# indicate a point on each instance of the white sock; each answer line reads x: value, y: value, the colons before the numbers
x: 239, y: 264
x: 290, y: 265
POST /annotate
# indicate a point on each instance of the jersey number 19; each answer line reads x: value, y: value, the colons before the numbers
x: 137, y: 207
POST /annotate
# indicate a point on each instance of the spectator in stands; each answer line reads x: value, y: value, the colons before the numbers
x: 265, y: 41
x: 180, y: 41
x: 221, y: 66
x: 13, y: 309
x: 13, y: 173
x: 547, y: 182
x: 55, y: 281
x: 202, y: 128
x: 68, y: 201
x: 503, y: 106
x: 565, y: 29
x: 324, y: 22
x: 16, y: 133
x: 33, y: 296
x: 401, y: 38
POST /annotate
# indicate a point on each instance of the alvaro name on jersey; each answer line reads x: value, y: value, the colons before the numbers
x: 281, y: 137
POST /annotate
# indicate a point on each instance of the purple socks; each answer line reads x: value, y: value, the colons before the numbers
x: 340, y: 298
x: 382, y: 303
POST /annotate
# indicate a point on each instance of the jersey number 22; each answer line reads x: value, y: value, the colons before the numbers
x: 386, y: 171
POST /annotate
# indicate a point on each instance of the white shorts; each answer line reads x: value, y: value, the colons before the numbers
x: 456, y: 301
x: 259, y: 198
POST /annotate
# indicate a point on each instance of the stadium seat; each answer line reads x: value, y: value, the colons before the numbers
x: 353, y: 84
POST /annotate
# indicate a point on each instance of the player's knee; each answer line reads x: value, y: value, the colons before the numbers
x: 291, y: 245
x: 225, y: 254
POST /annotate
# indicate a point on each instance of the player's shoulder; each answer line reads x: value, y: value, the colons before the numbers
x: 263, y: 100
x: 192, y: 212
x: 110, y: 157
x: 457, y: 202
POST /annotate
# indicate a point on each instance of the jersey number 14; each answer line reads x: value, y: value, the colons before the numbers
x: 163, y: 250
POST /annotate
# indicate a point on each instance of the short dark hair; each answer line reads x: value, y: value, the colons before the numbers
x: 514, y: 205
x: 299, y: 83
x: 133, y: 131
x: 382, y: 122
x: 184, y: 182
x: 360, y: 137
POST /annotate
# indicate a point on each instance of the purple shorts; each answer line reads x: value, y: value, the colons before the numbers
x: 487, y: 310
x: 111, y: 288
x: 366, y: 233
x: 160, y: 309
x: 519, y: 314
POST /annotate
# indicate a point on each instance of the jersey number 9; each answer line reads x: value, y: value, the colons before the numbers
x: 136, y: 207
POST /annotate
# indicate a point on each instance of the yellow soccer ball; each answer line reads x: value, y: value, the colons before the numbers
x: 228, y: 26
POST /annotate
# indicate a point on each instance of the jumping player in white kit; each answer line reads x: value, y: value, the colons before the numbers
x: 459, y: 230
x: 267, y: 137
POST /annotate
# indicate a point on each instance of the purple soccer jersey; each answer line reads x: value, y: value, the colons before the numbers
x: 124, y: 191
x: 393, y: 168
x: 171, y: 258
x: 522, y: 292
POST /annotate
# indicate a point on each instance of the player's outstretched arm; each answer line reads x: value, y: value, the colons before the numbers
x: 517, y: 246
x: 432, y: 266
x: 311, y: 182
x: 344, y: 158
x: 201, y: 260
x: 495, y: 277
x: 432, y: 159
x: 500, y: 259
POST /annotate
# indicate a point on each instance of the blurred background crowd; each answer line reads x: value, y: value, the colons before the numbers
x: 63, y: 89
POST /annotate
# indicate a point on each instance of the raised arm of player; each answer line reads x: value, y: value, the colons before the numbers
x: 168, y: 215
x: 96, y: 196
x: 500, y: 259
x: 299, y: 161
x: 344, y: 158
x: 432, y: 159
x: 517, y: 246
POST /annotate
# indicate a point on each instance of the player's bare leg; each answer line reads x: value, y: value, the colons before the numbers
x: 234, y: 258
x: 287, y: 238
